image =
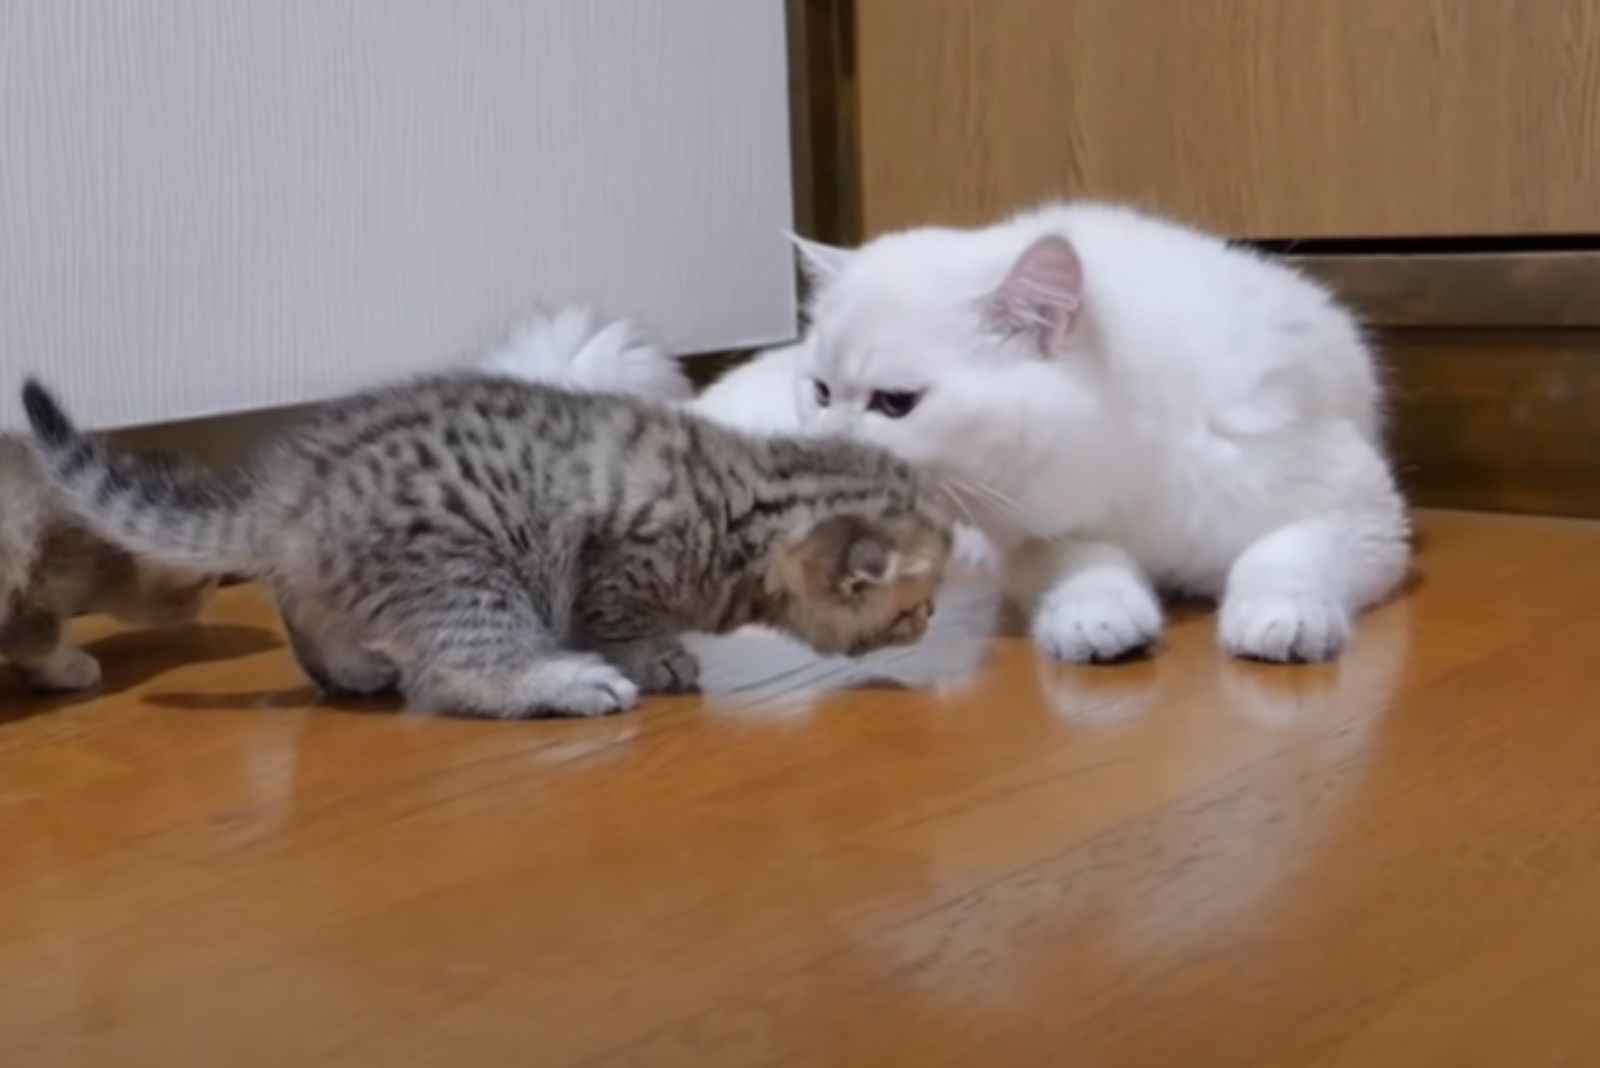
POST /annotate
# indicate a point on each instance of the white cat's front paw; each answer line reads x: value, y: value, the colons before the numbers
x: 1098, y: 623
x: 1284, y: 628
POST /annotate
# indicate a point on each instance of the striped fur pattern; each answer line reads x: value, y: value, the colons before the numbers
x: 501, y: 548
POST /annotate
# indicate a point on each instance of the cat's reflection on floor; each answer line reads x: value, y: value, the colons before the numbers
x: 1301, y: 696
x: 1274, y: 773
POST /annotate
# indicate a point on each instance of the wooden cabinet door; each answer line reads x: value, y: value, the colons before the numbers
x: 1263, y: 118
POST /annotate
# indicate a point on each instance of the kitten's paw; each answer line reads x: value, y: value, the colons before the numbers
x: 580, y: 687
x: 668, y: 668
x: 1284, y: 628
x: 64, y: 671
x: 1098, y: 623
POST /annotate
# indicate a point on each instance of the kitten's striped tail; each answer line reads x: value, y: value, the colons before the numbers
x: 167, y: 511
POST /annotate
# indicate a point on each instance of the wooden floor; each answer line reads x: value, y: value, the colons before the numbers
x: 958, y: 857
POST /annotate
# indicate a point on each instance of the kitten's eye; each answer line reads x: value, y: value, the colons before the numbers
x: 823, y: 394
x: 911, y: 624
x: 893, y: 403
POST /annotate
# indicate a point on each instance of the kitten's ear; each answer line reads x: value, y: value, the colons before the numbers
x: 1040, y: 295
x: 821, y: 263
x: 839, y: 555
x: 869, y: 560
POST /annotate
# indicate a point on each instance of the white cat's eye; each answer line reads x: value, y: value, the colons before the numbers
x: 893, y: 403
x: 823, y: 395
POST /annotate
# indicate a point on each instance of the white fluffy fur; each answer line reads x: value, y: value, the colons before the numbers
x: 576, y: 348
x: 761, y: 396
x: 1124, y: 405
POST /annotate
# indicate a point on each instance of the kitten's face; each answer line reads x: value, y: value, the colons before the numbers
x: 928, y: 344
x: 856, y: 584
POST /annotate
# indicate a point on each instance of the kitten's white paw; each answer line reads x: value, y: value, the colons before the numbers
x: 1098, y: 622
x: 580, y: 687
x: 1284, y: 628
x: 65, y: 670
x: 671, y: 669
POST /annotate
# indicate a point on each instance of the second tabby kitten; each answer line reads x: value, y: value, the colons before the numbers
x: 52, y: 569
x: 496, y: 548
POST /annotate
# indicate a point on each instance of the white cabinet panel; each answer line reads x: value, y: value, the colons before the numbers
x: 218, y: 205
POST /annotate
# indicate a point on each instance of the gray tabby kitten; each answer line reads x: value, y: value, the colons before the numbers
x: 497, y: 548
x: 52, y: 568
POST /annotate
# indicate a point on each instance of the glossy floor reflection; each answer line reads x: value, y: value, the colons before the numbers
x: 957, y: 856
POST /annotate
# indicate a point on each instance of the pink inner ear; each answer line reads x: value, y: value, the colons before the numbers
x: 1041, y: 293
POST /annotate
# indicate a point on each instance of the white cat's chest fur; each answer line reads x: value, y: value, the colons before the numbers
x: 1184, y: 500
x: 1185, y: 480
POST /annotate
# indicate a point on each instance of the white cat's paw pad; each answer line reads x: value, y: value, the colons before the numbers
x: 1284, y: 629
x: 1099, y: 625
x: 580, y: 688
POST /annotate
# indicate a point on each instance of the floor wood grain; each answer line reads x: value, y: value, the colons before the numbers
x: 957, y: 856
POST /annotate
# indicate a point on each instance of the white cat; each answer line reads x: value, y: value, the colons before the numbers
x: 1121, y: 404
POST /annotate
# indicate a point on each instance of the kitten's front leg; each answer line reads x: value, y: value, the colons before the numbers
x: 655, y: 665
x: 33, y: 640
x: 1090, y: 602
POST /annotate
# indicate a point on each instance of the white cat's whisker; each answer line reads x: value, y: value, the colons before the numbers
x: 961, y: 506
x: 998, y: 505
x: 995, y: 503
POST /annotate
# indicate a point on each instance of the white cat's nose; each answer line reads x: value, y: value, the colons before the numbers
x: 836, y: 420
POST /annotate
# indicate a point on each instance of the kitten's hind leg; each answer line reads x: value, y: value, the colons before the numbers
x: 33, y: 640
x: 1291, y: 596
x: 655, y: 665
x: 481, y: 649
x: 338, y: 664
x: 547, y: 684
x: 480, y: 632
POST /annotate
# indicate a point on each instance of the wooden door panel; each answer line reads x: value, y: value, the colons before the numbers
x: 1265, y: 118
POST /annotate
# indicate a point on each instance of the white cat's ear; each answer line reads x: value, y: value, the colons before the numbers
x: 821, y: 263
x: 1041, y: 294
